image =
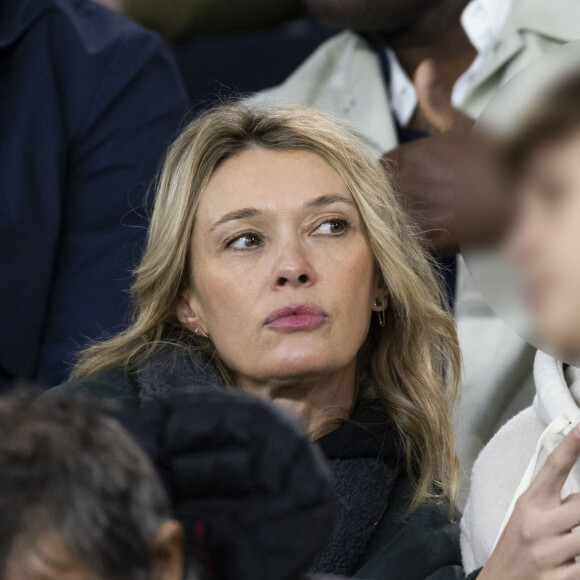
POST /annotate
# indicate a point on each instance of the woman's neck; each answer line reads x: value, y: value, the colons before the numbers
x: 319, y: 401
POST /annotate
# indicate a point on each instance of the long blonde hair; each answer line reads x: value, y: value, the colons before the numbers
x: 412, y: 364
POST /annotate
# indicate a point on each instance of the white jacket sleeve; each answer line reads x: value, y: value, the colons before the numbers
x: 467, y: 553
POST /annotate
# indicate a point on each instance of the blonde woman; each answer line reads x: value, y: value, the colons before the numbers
x: 279, y: 261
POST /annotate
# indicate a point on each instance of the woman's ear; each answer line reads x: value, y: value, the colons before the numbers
x: 380, y: 294
x: 187, y: 314
x: 167, y: 552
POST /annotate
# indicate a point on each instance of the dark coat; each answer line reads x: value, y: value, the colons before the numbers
x: 89, y: 101
x: 254, y: 495
x: 379, y: 541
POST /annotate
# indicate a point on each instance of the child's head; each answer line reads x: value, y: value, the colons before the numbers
x: 79, y: 499
x: 544, y: 162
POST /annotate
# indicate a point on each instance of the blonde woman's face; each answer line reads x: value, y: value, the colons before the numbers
x: 283, y: 274
x: 546, y: 244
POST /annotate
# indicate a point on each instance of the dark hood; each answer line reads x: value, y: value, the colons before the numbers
x: 253, y: 493
x: 362, y: 453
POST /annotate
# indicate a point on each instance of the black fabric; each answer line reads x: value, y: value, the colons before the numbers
x: 368, y: 433
x: 420, y: 546
x: 246, y: 472
x: 175, y: 369
x: 364, y: 455
x: 417, y: 546
x: 219, y: 67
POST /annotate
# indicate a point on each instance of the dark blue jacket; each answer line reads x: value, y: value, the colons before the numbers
x: 89, y: 102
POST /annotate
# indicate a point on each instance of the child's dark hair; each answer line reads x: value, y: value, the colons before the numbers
x: 555, y: 118
x: 69, y: 472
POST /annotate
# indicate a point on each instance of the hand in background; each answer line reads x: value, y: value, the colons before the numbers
x: 538, y: 542
x: 429, y: 172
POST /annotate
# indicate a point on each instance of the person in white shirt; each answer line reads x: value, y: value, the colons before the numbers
x: 543, y: 162
x: 457, y: 54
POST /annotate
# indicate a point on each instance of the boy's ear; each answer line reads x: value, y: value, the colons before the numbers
x: 167, y: 552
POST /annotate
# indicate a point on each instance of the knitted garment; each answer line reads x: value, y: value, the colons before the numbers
x: 363, y: 454
x: 255, y: 496
x: 174, y: 369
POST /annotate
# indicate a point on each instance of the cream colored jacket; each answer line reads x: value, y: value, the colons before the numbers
x: 344, y: 78
x: 511, y: 460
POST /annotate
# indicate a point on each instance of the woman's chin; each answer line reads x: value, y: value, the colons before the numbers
x: 297, y: 365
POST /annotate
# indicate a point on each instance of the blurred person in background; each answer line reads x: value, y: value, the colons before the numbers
x: 542, y: 164
x: 227, y: 48
x: 88, y: 104
x: 177, y: 20
x: 409, y: 76
x: 79, y: 499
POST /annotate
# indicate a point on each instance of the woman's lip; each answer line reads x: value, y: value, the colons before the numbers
x: 298, y: 321
x: 296, y: 316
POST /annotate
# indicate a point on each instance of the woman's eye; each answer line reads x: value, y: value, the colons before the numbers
x: 244, y: 242
x: 331, y: 227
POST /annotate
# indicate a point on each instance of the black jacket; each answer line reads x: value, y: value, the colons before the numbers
x: 254, y: 495
x: 373, y: 537
x: 89, y: 102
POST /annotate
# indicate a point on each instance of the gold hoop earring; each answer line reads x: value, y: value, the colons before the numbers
x: 382, y: 320
x: 381, y: 313
x: 200, y: 334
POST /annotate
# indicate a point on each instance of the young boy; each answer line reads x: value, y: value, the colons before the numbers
x: 543, y: 159
x: 79, y: 500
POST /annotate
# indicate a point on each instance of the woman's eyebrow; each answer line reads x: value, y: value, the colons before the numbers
x: 238, y: 214
x: 328, y: 199
x: 247, y: 212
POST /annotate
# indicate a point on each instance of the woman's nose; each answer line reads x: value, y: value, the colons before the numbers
x: 294, y: 267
